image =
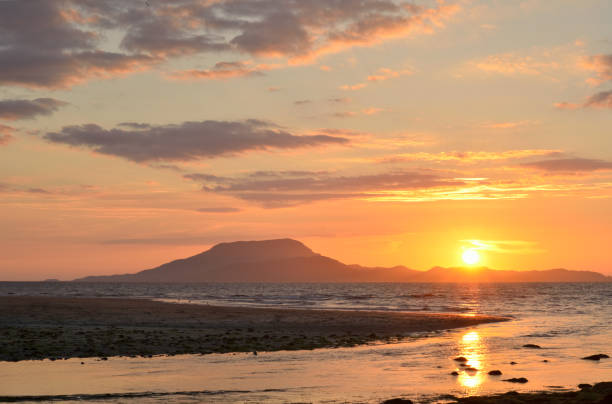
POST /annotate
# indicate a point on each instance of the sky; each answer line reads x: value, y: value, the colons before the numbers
x: 377, y: 132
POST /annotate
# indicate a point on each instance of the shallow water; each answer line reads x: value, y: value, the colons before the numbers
x: 569, y: 321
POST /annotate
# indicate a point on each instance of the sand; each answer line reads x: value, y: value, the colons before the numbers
x: 57, y: 328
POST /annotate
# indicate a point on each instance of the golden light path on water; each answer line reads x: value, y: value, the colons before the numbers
x: 472, y: 348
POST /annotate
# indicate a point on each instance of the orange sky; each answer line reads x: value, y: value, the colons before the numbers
x: 389, y: 133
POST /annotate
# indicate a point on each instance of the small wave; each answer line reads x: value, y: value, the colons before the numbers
x: 138, y: 395
x: 360, y: 297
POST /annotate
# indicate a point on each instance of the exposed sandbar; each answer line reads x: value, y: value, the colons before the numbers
x: 55, y: 327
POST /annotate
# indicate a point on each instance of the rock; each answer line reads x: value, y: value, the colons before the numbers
x: 513, y: 363
x: 583, y: 386
x: 460, y: 359
x: 82, y: 363
x: 255, y: 353
x: 533, y: 346
x: 495, y: 372
x: 463, y: 365
x: 517, y: 380
x: 397, y: 401
x: 104, y: 358
x: 596, y: 357
x: 545, y: 361
x: 471, y: 369
x: 455, y: 373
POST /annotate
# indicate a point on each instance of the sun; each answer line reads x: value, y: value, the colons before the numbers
x: 470, y: 257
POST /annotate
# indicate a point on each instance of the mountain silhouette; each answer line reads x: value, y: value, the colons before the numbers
x: 287, y: 260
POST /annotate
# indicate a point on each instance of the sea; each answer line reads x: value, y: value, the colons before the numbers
x: 567, y: 320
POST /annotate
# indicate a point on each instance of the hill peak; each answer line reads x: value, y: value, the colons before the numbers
x: 277, y: 248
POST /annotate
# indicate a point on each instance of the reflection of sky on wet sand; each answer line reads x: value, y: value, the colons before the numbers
x: 415, y: 369
x: 472, y: 348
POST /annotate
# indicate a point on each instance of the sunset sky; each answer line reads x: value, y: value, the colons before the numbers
x: 377, y: 132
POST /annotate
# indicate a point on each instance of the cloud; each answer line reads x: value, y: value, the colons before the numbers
x: 275, y: 189
x: 513, y: 64
x: 221, y: 70
x: 385, y: 74
x: 470, y: 156
x: 568, y: 106
x: 570, y: 165
x: 65, y: 42
x: 353, y: 87
x: 218, y: 210
x: 25, y: 109
x: 340, y: 100
x: 602, y: 99
x: 372, y: 111
x: 504, y: 246
x: 43, y: 43
x: 601, y: 65
x: 381, y: 74
x: 188, y: 140
x: 506, y: 125
x: 6, y: 134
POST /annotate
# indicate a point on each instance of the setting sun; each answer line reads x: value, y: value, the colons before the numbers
x: 470, y: 257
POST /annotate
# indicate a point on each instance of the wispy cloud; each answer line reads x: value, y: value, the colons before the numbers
x: 382, y: 74
x: 504, y: 246
x: 506, y: 125
x: 278, y: 189
x: 221, y: 70
x: 6, y: 134
x: 570, y: 165
x: 470, y: 156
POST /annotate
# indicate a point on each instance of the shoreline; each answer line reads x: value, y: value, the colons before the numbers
x: 53, y: 328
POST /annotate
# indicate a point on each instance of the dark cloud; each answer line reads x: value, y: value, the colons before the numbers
x: 50, y: 43
x: 57, y: 43
x: 602, y: 99
x: 570, y: 165
x: 27, y: 109
x: 274, y: 189
x: 188, y: 140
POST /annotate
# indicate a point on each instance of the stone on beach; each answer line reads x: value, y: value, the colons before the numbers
x: 596, y: 357
x: 495, y: 372
x: 516, y: 380
x: 533, y: 346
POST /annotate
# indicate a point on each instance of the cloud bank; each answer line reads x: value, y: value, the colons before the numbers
x: 65, y: 42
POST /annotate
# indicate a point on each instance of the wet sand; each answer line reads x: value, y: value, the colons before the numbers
x: 57, y: 328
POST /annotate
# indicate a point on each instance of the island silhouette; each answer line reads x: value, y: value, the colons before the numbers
x: 288, y: 260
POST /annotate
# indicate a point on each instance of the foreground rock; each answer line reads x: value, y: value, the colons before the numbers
x: 600, y: 393
x: 55, y: 328
x: 596, y: 357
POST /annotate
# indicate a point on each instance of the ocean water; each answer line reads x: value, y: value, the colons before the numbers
x: 569, y: 321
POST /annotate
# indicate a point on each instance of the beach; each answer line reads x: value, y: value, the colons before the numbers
x: 58, y: 328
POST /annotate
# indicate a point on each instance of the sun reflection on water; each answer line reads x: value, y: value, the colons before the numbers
x: 472, y: 348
